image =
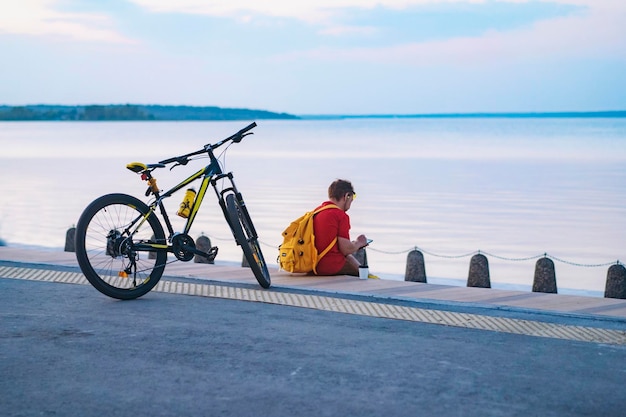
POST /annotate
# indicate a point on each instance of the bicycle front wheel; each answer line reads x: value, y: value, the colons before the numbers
x: 243, y: 230
x: 107, y: 235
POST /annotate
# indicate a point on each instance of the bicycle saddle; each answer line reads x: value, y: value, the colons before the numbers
x: 139, y: 167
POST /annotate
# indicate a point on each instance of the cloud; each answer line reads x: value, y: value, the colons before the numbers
x: 42, y: 18
x: 597, y: 31
x: 312, y: 10
x: 307, y: 10
x: 341, y: 30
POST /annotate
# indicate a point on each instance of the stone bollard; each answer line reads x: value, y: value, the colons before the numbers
x: 70, y: 244
x: 479, y: 272
x: 152, y: 254
x: 415, y: 267
x: 616, y: 282
x: 203, y: 243
x: 545, y: 276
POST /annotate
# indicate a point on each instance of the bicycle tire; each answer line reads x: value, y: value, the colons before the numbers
x: 103, y: 249
x: 243, y: 232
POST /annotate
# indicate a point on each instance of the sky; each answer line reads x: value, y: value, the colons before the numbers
x: 312, y: 57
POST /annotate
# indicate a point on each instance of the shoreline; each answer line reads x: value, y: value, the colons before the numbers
x: 182, y: 113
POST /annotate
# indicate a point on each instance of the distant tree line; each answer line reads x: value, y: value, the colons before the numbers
x: 95, y: 113
x: 112, y: 112
x: 131, y: 112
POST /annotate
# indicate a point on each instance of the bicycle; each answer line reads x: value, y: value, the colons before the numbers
x: 121, y: 246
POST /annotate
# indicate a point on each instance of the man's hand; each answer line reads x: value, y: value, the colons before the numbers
x: 361, y: 241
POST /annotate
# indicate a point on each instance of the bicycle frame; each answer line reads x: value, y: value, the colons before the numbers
x: 207, y: 173
x: 210, y: 174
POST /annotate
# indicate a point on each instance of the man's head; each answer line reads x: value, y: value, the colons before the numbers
x: 342, y: 193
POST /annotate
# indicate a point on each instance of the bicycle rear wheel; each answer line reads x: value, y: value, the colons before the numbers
x: 106, y: 237
x: 243, y: 230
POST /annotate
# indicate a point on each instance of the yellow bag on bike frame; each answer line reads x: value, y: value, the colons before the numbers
x: 297, y: 252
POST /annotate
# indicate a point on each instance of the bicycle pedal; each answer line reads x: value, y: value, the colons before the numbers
x: 212, y: 253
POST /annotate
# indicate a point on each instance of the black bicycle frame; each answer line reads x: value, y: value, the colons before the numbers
x: 210, y: 174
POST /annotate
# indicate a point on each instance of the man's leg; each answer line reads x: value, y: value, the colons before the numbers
x: 351, y: 267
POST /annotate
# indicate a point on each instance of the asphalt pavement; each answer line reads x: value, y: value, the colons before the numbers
x: 68, y: 350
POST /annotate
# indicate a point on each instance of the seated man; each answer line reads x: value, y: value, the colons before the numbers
x: 332, y: 223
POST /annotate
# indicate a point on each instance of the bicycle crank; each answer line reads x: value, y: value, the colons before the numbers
x: 184, y: 248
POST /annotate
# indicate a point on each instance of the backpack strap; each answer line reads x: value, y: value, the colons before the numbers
x: 330, y: 246
x: 325, y: 251
x: 328, y: 206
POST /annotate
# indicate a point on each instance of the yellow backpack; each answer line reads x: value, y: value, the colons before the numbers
x: 297, y: 252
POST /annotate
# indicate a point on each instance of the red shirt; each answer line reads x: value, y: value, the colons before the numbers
x: 327, y: 225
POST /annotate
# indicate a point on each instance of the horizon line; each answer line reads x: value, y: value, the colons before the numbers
x: 473, y: 114
x: 596, y: 113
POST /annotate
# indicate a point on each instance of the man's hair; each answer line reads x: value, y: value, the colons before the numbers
x: 339, y: 188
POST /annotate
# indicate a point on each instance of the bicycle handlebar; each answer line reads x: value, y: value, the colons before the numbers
x: 237, y: 137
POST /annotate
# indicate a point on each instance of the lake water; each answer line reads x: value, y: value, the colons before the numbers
x: 513, y: 189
